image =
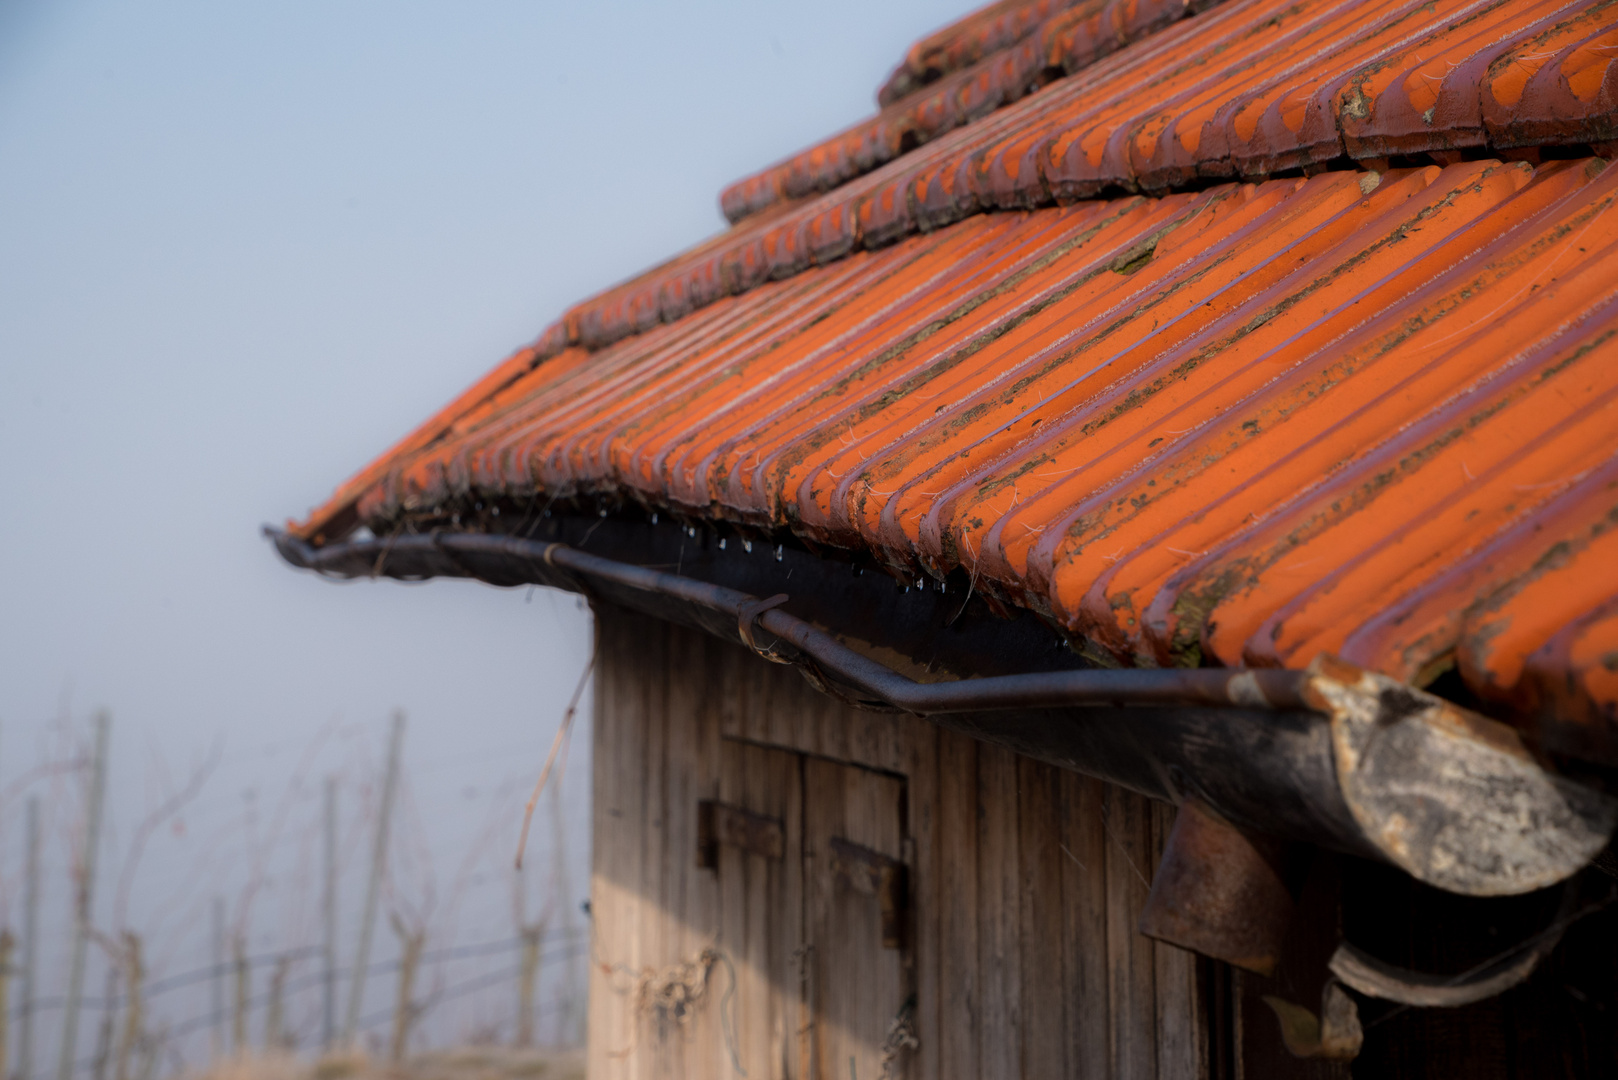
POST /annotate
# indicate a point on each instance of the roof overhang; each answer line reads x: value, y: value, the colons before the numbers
x: 1334, y: 755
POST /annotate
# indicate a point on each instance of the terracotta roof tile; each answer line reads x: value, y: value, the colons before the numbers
x: 1369, y: 415
x: 1360, y: 412
x: 1065, y: 42
x: 1570, y: 684
x: 967, y: 41
x: 1245, y: 90
x: 1296, y: 84
x: 1555, y: 84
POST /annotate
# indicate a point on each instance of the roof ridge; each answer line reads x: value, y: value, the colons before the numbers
x: 1068, y: 38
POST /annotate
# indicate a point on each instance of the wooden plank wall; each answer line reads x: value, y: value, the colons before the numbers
x: 1026, y: 884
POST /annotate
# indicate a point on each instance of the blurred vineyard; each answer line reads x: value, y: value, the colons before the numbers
x: 308, y: 936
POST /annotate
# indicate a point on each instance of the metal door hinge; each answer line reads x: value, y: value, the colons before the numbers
x: 719, y: 823
x: 873, y: 874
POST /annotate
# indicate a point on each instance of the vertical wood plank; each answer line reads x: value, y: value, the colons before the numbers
x: 1044, y: 1021
x: 791, y: 936
x: 1085, y: 982
x: 999, y: 1052
x: 782, y: 711
x: 787, y: 946
x: 1182, y: 1038
x: 750, y: 1037
x: 620, y: 814
x: 957, y: 892
x: 824, y: 723
x: 730, y: 694
x: 658, y: 931
x: 632, y: 802
x: 920, y: 740
x: 859, y: 985
x: 605, y: 1020
x: 691, y: 895
x: 759, y: 926
x: 1130, y: 959
x: 877, y: 740
x: 738, y: 925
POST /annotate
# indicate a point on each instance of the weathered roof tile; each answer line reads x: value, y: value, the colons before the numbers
x: 1363, y: 411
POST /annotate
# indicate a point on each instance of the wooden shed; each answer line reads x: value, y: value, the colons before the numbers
x: 1106, y: 568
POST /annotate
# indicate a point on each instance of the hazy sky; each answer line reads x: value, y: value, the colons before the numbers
x: 243, y: 248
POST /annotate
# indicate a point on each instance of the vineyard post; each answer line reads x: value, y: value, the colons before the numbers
x: 373, y: 884
x: 328, y: 899
x: 238, y: 1022
x: 217, y: 979
x: 86, y: 893
x: 404, y: 1011
x: 30, y: 942
x: 528, y: 970
x: 134, y: 1010
x: 8, y: 946
x: 275, y: 1029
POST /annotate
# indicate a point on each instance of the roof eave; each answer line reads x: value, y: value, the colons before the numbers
x: 1336, y: 756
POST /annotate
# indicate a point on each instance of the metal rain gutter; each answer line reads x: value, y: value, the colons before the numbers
x: 1333, y: 755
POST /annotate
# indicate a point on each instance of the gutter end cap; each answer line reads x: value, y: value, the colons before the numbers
x: 1452, y: 797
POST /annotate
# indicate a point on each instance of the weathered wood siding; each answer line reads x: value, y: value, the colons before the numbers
x: 1025, y: 884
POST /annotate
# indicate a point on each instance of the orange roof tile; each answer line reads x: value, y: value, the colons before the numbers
x: 1245, y: 90
x: 1250, y: 91
x: 968, y: 40
x: 1361, y: 412
x: 1020, y: 49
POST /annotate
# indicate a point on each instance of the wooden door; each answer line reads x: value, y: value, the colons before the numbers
x: 855, y: 933
x: 813, y: 904
x: 754, y: 836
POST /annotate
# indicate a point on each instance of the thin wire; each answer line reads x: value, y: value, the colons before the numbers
x: 477, y: 982
x: 197, y: 1023
x: 379, y: 967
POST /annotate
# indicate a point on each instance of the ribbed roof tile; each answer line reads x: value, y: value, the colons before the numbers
x: 1242, y: 91
x: 1364, y: 411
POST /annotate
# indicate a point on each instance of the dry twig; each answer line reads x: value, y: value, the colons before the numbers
x: 550, y: 759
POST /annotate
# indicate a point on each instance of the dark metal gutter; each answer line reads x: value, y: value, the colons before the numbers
x: 1334, y: 756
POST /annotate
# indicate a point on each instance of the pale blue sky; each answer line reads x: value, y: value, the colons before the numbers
x: 244, y: 247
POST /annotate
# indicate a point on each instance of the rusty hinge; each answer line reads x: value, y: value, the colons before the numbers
x: 874, y: 874
x: 718, y: 823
